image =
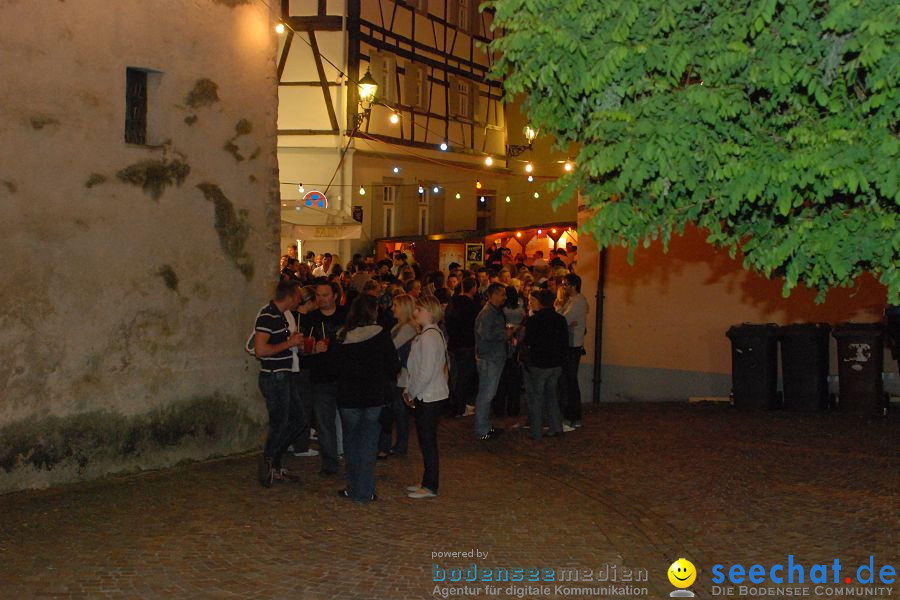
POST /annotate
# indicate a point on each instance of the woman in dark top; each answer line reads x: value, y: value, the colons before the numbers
x: 367, y: 366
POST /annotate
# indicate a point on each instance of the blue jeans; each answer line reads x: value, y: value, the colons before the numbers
x: 489, y: 372
x: 324, y: 397
x: 541, y: 386
x: 397, y: 416
x: 361, y: 429
x: 285, y: 413
x: 304, y: 388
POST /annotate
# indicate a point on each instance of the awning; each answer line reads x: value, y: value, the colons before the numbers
x: 322, y: 232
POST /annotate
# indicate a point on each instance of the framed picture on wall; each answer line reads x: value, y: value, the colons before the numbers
x: 474, y: 255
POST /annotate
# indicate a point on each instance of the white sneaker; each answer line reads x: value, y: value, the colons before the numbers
x: 422, y: 493
x: 567, y: 428
x: 309, y: 452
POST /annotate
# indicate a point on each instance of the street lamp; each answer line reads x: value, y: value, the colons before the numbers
x: 530, y: 134
x: 367, y: 88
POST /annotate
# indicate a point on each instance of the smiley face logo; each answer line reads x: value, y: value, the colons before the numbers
x: 682, y: 573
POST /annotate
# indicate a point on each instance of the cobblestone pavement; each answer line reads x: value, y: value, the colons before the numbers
x: 637, y: 487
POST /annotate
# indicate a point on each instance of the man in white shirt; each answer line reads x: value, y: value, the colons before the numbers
x: 326, y: 267
x: 575, y: 311
x: 539, y: 261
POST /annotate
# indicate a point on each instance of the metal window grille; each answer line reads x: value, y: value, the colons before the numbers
x: 135, y: 106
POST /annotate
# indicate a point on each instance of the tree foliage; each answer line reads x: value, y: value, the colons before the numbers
x: 771, y: 124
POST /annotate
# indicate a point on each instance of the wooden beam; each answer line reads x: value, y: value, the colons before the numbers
x: 414, y: 45
x: 306, y: 83
x: 324, y: 82
x: 316, y: 23
x: 284, y: 53
x: 308, y: 132
x: 353, y: 31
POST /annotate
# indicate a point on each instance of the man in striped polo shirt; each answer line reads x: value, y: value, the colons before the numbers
x: 274, y: 344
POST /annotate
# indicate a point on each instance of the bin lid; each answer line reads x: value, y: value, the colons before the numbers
x: 852, y: 329
x: 811, y: 329
x: 752, y: 329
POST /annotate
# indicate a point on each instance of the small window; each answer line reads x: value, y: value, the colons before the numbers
x: 384, y: 70
x: 463, y: 9
x: 388, y: 220
x: 135, y: 106
x: 415, y: 86
x: 390, y: 194
x: 463, y: 97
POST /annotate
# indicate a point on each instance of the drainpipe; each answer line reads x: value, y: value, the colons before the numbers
x: 598, y: 328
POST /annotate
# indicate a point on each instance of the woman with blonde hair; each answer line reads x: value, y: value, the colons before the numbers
x: 427, y: 389
x: 402, y: 335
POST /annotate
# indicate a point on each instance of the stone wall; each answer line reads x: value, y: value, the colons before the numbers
x: 132, y: 273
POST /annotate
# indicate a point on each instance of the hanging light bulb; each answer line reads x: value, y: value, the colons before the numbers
x: 395, y: 118
x: 396, y: 169
x: 279, y: 28
x: 530, y: 178
x: 536, y: 195
x: 362, y: 191
x: 435, y: 189
x: 421, y: 190
x: 567, y: 166
x: 458, y: 196
x: 507, y: 199
x: 518, y: 234
x: 488, y: 161
x: 481, y: 199
x: 444, y: 146
x: 301, y: 189
x: 540, y: 231
x: 529, y: 167
x: 477, y: 184
x: 553, y: 230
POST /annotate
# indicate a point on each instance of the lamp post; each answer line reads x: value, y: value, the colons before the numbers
x: 530, y: 134
x: 367, y: 88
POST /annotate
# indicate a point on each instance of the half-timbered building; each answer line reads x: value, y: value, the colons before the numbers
x: 411, y: 162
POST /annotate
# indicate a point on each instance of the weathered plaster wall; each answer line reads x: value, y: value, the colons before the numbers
x: 131, y: 274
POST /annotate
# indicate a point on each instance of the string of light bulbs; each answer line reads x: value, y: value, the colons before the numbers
x: 394, y: 118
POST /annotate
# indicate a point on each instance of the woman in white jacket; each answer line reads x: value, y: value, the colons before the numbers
x: 427, y: 389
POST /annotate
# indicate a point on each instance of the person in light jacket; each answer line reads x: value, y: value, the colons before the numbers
x: 427, y: 389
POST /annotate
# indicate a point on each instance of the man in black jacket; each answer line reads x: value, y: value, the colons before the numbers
x: 545, y: 344
x: 459, y: 318
x: 324, y: 325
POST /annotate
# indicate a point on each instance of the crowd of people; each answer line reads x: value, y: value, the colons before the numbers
x: 356, y: 352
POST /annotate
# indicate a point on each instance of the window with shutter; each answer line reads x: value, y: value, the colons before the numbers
x: 415, y: 85
x: 463, y: 96
x: 462, y: 15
